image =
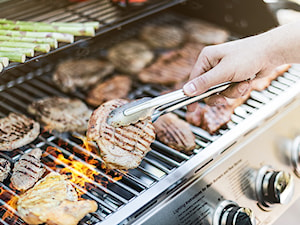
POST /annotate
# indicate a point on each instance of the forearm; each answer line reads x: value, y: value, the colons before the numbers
x: 283, y: 43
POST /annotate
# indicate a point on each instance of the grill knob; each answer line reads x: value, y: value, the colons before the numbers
x: 229, y: 213
x: 273, y: 187
x: 292, y: 149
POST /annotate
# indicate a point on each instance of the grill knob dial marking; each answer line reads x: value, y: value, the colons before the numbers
x: 273, y: 187
x: 230, y: 213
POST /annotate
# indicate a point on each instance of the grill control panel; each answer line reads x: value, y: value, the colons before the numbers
x: 253, y: 182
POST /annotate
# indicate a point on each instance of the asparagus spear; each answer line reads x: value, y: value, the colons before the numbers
x: 61, y: 37
x: 37, y: 47
x: 51, y: 41
x: 4, y: 61
x: 77, y: 31
x: 94, y: 24
x: 27, y: 51
x: 14, y: 56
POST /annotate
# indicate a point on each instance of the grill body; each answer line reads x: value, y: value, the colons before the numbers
x: 165, y: 177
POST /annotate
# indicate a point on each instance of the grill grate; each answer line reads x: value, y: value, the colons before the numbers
x: 110, y: 16
x: 107, y: 190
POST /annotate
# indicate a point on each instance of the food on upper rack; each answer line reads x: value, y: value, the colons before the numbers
x: 81, y: 73
x: 174, y: 132
x: 17, y: 130
x: 162, y: 36
x: 53, y: 200
x: 206, y: 33
x: 122, y: 147
x: 212, y: 118
x: 113, y: 88
x: 172, y: 67
x: 4, y: 169
x: 61, y: 113
x: 27, y: 170
x: 130, y: 56
x: 38, y: 36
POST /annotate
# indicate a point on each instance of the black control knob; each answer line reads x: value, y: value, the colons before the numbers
x: 273, y: 187
x: 229, y: 213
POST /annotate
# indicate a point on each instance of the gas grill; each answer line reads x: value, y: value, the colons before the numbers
x: 213, y: 184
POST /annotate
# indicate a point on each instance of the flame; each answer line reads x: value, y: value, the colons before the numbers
x: 10, y: 206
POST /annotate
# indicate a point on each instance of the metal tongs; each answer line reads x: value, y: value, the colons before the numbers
x: 143, y: 108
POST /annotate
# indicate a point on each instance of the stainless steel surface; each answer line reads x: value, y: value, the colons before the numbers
x: 154, y: 107
x: 232, y: 177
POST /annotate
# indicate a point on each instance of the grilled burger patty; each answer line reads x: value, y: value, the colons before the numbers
x: 4, y: 169
x: 27, y: 170
x: 122, y: 147
x: 61, y: 114
x: 130, y: 56
x: 172, y: 67
x: 83, y: 73
x: 174, y: 132
x: 17, y: 130
x: 113, y: 88
x: 53, y: 200
x: 206, y: 33
x: 162, y: 36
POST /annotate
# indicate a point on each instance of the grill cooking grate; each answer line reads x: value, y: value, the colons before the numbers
x: 108, y: 190
x: 110, y: 16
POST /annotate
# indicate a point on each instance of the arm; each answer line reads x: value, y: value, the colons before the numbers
x: 244, y: 59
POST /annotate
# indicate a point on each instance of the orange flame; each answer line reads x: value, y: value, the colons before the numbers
x: 10, y: 206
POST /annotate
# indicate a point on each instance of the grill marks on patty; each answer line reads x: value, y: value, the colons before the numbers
x: 17, y: 130
x: 122, y: 147
x: 27, y: 170
x: 4, y: 169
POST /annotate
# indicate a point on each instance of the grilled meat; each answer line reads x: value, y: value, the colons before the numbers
x: 83, y: 73
x: 122, y: 147
x: 27, y: 170
x: 174, y: 132
x: 172, y: 67
x: 17, y: 130
x: 113, y: 88
x: 61, y: 114
x: 206, y: 33
x: 53, y: 200
x: 212, y: 118
x: 162, y: 36
x: 4, y: 169
x: 130, y: 56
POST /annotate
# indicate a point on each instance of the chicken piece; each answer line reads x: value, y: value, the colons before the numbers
x: 123, y: 147
x: 61, y: 113
x: 53, y: 200
x: 82, y: 73
x: 4, y: 169
x: 162, y: 36
x: 17, y: 130
x: 113, y: 88
x: 174, y: 132
x: 172, y: 67
x: 27, y: 170
x: 205, y: 33
x: 130, y: 56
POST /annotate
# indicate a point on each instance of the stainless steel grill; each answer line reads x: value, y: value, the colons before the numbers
x: 122, y: 197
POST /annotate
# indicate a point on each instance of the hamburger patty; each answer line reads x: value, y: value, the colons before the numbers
x: 122, y: 147
x: 83, y: 73
x: 113, y: 88
x: 61, y: 114
x: 174, y: 132
x: 162, y: 36
x: 17, y: 130
x: 4, y: 169
x: 130, y: 56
